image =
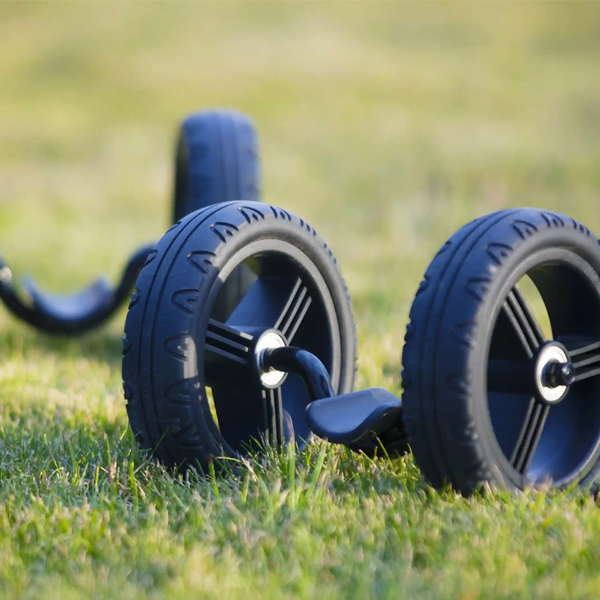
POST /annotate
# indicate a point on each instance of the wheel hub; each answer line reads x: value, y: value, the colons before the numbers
x: 554, y: 373
x: 269, y: 340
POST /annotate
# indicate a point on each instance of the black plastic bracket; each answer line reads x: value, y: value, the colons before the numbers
x: 71, y: 314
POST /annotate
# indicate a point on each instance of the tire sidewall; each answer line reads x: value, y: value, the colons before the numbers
x: 458, y: 337
x: 214, y: 242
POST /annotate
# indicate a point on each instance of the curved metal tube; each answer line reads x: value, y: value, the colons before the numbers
x: 71, y: 314
x: 357, y: 417
x: 295, y: 360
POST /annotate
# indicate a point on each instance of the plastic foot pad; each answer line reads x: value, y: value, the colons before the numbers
x: 346, y: 419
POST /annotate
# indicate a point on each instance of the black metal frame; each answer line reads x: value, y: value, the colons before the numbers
x: 71, y: 314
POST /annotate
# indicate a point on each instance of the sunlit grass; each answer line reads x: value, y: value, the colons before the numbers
x: 387, y: 126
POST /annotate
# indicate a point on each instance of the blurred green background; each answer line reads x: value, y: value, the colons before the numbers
x: 386, y: 125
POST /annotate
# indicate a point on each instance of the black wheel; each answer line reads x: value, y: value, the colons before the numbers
x: 193, y: 383
x: 217, y: 160
x: 501, y: 386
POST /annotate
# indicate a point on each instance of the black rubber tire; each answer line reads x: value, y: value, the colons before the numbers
x: 444, y: 401
x: 164, y: 387
x: 217, y: 160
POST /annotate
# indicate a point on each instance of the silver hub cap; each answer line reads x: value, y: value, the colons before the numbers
x: 548, y: 355
x: 269, y: 340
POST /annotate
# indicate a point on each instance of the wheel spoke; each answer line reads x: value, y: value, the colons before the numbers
x: 263, y: 304
x: 227, y: 350
x: 241, y: 413
x: 274, y: 409
x: 510, y: 376
x: 530, y: 435
x: 523, y: 322
x: 273, y: 301
x: 295, y: 310
x: 585, y: 357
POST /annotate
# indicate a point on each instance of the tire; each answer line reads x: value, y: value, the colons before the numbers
x: 172, y: 342
x: 217, y: 160
x: 460, y: 333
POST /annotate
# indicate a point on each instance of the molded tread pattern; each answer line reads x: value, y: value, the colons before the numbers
x: 163, y: 404
x: 217, y: 161
x: 445, y: 317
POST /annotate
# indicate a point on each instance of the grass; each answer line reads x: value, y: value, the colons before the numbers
x: 386, y: 126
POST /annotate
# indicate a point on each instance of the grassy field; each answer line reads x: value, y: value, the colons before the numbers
x: 385, y: 125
